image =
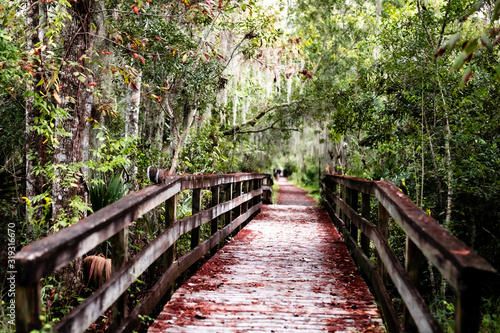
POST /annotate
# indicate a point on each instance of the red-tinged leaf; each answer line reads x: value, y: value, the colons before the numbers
x: 186, y: 2
x: 91, y: 84
x: 158, y: 38
x: 136, y: 9
x: 206, y: 56
x: 486, y: 42
x: 439, y: 52
x: 477, y: 6
x: 136, y: 55
x: 453, y: 40
x: 466, y: 76
x: 133, y: 85
x: 142, y: 60
x: 57, y: 98
x: 471, y: 46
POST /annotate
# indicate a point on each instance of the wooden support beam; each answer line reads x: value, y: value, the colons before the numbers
x: 365, y: 212
x: 383, y: 226
x: 169, y: 255
x: 196, y: 207
x: 119, y: 256
x: 413, y: 259
x: 354, y: 199
x: 468, y: 303
x: 214, y: 225
x: 28, y: 307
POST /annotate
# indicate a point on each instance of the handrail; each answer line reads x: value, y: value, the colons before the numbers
x: 44, y: 256
x: 457, y: 263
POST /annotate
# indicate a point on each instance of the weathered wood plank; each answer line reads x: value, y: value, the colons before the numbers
x: 206, y: 181
x: 409, y: 293
x: 28, y: 308
x: 42, y: 257
x: 360, y: 185
x: 446, y: 252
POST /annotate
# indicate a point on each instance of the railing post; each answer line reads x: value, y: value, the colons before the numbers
x: 237, y: 210
x: 214, y: 225
x: 28, y: 308
x: 354, y: 197
x: 412, y: 266
x: 383, y: 225
x: 196, y: 207
x: 119, y: 245
x: 336, y: 191
x: 343, y: 196
x: 229, y: 197
x: 467, y: 305
x: 365, y: 212
x: 170, y: 219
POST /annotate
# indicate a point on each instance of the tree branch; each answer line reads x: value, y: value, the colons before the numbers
x: 431, y: 41
x: 253, y: 122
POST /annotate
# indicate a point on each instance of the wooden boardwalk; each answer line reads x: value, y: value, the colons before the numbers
x: 287, y: 270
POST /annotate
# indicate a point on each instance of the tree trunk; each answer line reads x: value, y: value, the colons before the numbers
x: 132, y: 122
x: 77, y: 99
x: 181, y: 139
x: 34, y: 141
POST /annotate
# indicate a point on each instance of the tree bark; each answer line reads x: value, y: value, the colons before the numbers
x: 77, y: 98
x: 34, y: 143
x: 132, y: 123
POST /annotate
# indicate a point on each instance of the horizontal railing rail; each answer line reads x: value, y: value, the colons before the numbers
x: 238, y: 197
x: 458, y: 264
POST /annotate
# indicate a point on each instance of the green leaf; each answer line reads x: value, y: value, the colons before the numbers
x: 466, y: 76
x: 40, y: 82
x: 453, y: 40
x: 471, y: 46
x: 82, y: 79
x: 459, y: 61
x: 486, y: 42
x: 184, y: 58
x: 498, y: 72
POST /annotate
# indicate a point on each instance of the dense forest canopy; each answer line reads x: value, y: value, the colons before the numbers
x: 92, y: 92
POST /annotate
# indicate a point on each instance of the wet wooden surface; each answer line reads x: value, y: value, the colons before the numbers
x: 287, y: 270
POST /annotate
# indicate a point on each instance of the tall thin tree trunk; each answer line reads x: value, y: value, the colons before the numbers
x: 188, y: 123
x: 132, y: 122
x: 34, y: 143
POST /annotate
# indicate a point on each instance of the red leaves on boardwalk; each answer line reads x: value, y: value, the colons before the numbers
x: 287, y: 270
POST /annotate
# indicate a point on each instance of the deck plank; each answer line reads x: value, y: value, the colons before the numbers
x: 287, y: 270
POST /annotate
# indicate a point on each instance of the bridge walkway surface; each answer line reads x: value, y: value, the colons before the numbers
x: 288, y: 270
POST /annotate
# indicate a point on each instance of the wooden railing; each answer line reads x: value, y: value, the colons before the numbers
x: 458, y: 264
x: 235, y: 196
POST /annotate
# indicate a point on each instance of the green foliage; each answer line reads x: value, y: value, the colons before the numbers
x: 491, y: 318
x: 102, y: 194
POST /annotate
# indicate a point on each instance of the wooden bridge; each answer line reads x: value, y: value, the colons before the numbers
x: 287, y: 270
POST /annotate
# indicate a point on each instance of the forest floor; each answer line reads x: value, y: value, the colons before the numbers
x: 287, y: 270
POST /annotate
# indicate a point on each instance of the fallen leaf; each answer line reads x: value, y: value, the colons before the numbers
x: 57, y: 98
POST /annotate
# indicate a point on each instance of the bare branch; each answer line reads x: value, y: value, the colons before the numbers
x: 253, y: 122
